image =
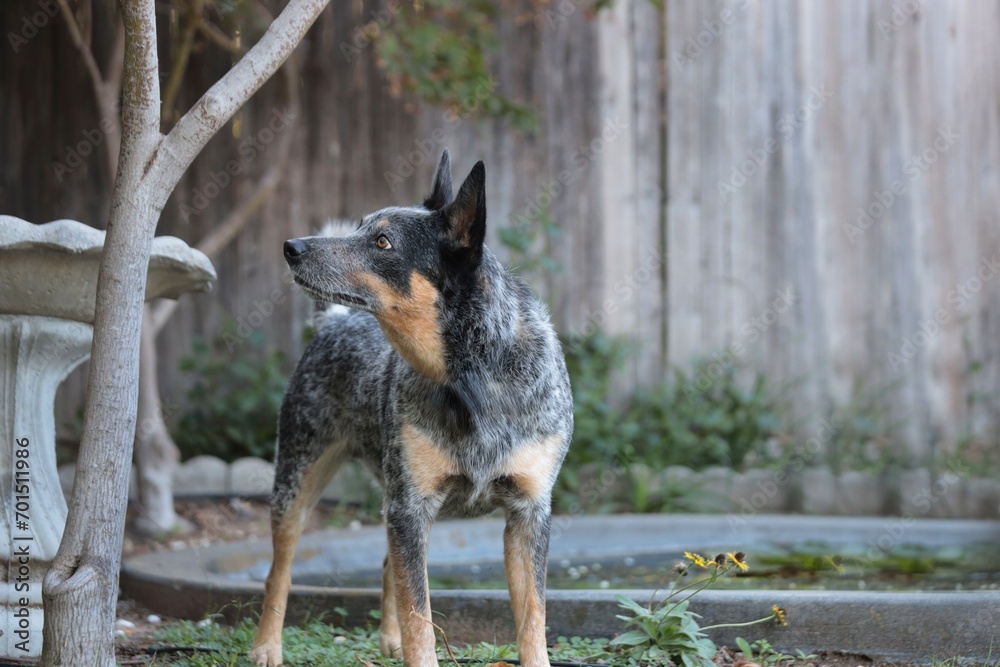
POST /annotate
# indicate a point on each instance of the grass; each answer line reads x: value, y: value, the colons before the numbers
x: 317, y: 644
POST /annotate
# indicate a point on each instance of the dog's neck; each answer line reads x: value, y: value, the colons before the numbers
x: 493, y: 322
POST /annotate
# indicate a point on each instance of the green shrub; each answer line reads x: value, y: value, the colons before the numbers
x: 232, y: 407
x: 702, y: 418
x: 863, y: 435
x: 439, y: 50
x: 599, y: 432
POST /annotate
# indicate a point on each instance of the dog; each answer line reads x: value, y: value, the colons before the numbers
x: 444, y: 375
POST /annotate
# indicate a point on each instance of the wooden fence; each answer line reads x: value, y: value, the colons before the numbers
x: 844, y: 154
x: 810, y: 188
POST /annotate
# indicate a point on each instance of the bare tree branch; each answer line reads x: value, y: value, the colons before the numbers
x: 106, y: 87
x: 218, y: 37
x: 222, y: 234
x: 194, y: 19
x: 109, y: 106
x: 222, y: 100
x: 96, y: 78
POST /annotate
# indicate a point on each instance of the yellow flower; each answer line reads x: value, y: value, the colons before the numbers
x: 696, y: 559
x: 780, y: 615
x: 740, y: 559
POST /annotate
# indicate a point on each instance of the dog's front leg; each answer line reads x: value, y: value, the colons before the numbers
x: 407, y: 526
x: 526, y: 556
x: 390, y: 638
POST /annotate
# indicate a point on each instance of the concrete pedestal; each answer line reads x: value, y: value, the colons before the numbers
x: 36, y: 354
x: 48, y: 287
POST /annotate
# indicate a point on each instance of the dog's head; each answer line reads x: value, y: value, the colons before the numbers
x: 401, y: 262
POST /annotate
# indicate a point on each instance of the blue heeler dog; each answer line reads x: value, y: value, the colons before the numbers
x: 445, y: 378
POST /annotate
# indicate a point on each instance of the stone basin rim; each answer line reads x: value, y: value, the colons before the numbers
x: 72, y: 236
x: 51, y: 269
x: 893, y: 625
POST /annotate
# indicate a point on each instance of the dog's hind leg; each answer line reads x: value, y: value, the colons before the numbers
x: 526, y: 554
x: 532, y: 471
x: 296, y: 492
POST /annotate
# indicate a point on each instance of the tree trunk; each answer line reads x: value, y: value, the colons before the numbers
x: 81, y: 588
x: 156, y: 454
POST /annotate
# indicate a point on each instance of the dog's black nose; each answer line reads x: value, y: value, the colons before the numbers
x: 294, y: 250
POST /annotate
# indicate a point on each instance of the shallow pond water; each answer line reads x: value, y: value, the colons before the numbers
x: 807, y: 566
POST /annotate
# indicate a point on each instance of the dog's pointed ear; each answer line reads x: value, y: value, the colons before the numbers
x: 467, y: 214
x: 440, y: 195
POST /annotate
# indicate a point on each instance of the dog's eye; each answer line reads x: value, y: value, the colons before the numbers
x: 383, y: 243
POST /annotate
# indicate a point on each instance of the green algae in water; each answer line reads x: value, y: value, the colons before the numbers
x: 806, y: 566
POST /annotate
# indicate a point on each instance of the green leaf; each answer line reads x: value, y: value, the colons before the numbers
x: 633, y: 638
x: 631, y: 605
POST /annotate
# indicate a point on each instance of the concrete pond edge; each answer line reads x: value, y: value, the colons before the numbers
x: 903, y: 626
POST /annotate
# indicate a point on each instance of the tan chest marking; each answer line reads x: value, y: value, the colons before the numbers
x: 533, y: 466
x: 410, y: 323
x: 429, y: 464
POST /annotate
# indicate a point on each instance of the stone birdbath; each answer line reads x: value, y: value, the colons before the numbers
x: 48, y: 287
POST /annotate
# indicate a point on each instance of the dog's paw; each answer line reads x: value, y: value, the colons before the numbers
x: 391, y: 645
x: 267, y: 654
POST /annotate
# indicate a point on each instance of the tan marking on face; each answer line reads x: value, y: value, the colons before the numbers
x: 382, y: 224
x: 527, y: 603
x: 533, y: 466
x: 410, y: 323
x: 428, y: 463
